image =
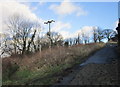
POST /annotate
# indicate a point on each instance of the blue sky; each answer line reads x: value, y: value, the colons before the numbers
x: 70, y: 17
x: 101, y: 14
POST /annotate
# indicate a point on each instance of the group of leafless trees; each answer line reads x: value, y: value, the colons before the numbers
x: 97, y: 36
x: 25, y: 38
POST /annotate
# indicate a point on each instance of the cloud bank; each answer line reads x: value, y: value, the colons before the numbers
x: 67, y: 8
x: 9, y: 8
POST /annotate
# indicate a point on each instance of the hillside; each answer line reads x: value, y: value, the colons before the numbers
x: 46, y: 65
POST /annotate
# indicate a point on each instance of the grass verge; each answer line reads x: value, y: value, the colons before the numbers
x: 44, y: 68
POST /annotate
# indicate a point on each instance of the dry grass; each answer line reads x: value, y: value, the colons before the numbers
x: 59, y: 55
x: 65, y: 56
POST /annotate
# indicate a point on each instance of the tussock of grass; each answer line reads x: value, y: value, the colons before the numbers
x: 42, y: 67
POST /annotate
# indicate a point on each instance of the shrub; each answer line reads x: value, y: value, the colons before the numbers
x: 9, y: 70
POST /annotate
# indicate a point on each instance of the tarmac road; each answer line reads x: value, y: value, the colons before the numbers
x: 99, y: 69
x: 105, y: 55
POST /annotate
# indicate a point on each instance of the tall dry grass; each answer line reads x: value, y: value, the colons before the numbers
x: 57, y: 56
x: 54, y: 56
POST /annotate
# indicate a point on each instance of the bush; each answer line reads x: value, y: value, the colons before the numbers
x: 9, y: 70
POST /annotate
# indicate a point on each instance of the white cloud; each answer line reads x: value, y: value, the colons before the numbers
x: 58, y: 26
x: 65, y: 34
x: 86, y: 29
x: 41, y: 2
x: 62, y: 28
x: 116, y: 23
x: 66, y: 8
x: 9, y: 8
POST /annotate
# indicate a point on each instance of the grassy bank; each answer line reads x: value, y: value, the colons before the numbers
x: 43, y: 68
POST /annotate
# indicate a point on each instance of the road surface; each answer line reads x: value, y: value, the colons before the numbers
x: 99, y: 69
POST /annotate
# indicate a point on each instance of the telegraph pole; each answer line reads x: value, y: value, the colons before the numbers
x: 49, y: 32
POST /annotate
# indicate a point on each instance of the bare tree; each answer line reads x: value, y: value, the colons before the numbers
x: 70, y: 40
x: 85, y: 37
x: 31, y: 41
x: 77, y: 40
x: 100, y: 34
x: 21, y: 29
x: 109, y: 33
x: 55, y: 38
x: 95, y: 35
x: 38, y: 43
x: 6, y: 48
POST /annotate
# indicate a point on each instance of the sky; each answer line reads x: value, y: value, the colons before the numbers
x: 70, y: 17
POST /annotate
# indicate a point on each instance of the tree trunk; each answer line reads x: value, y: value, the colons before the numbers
x: 32, y: 39
x: 24, y: 47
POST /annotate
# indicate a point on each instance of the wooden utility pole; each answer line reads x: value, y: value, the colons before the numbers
x: 49, y: 32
